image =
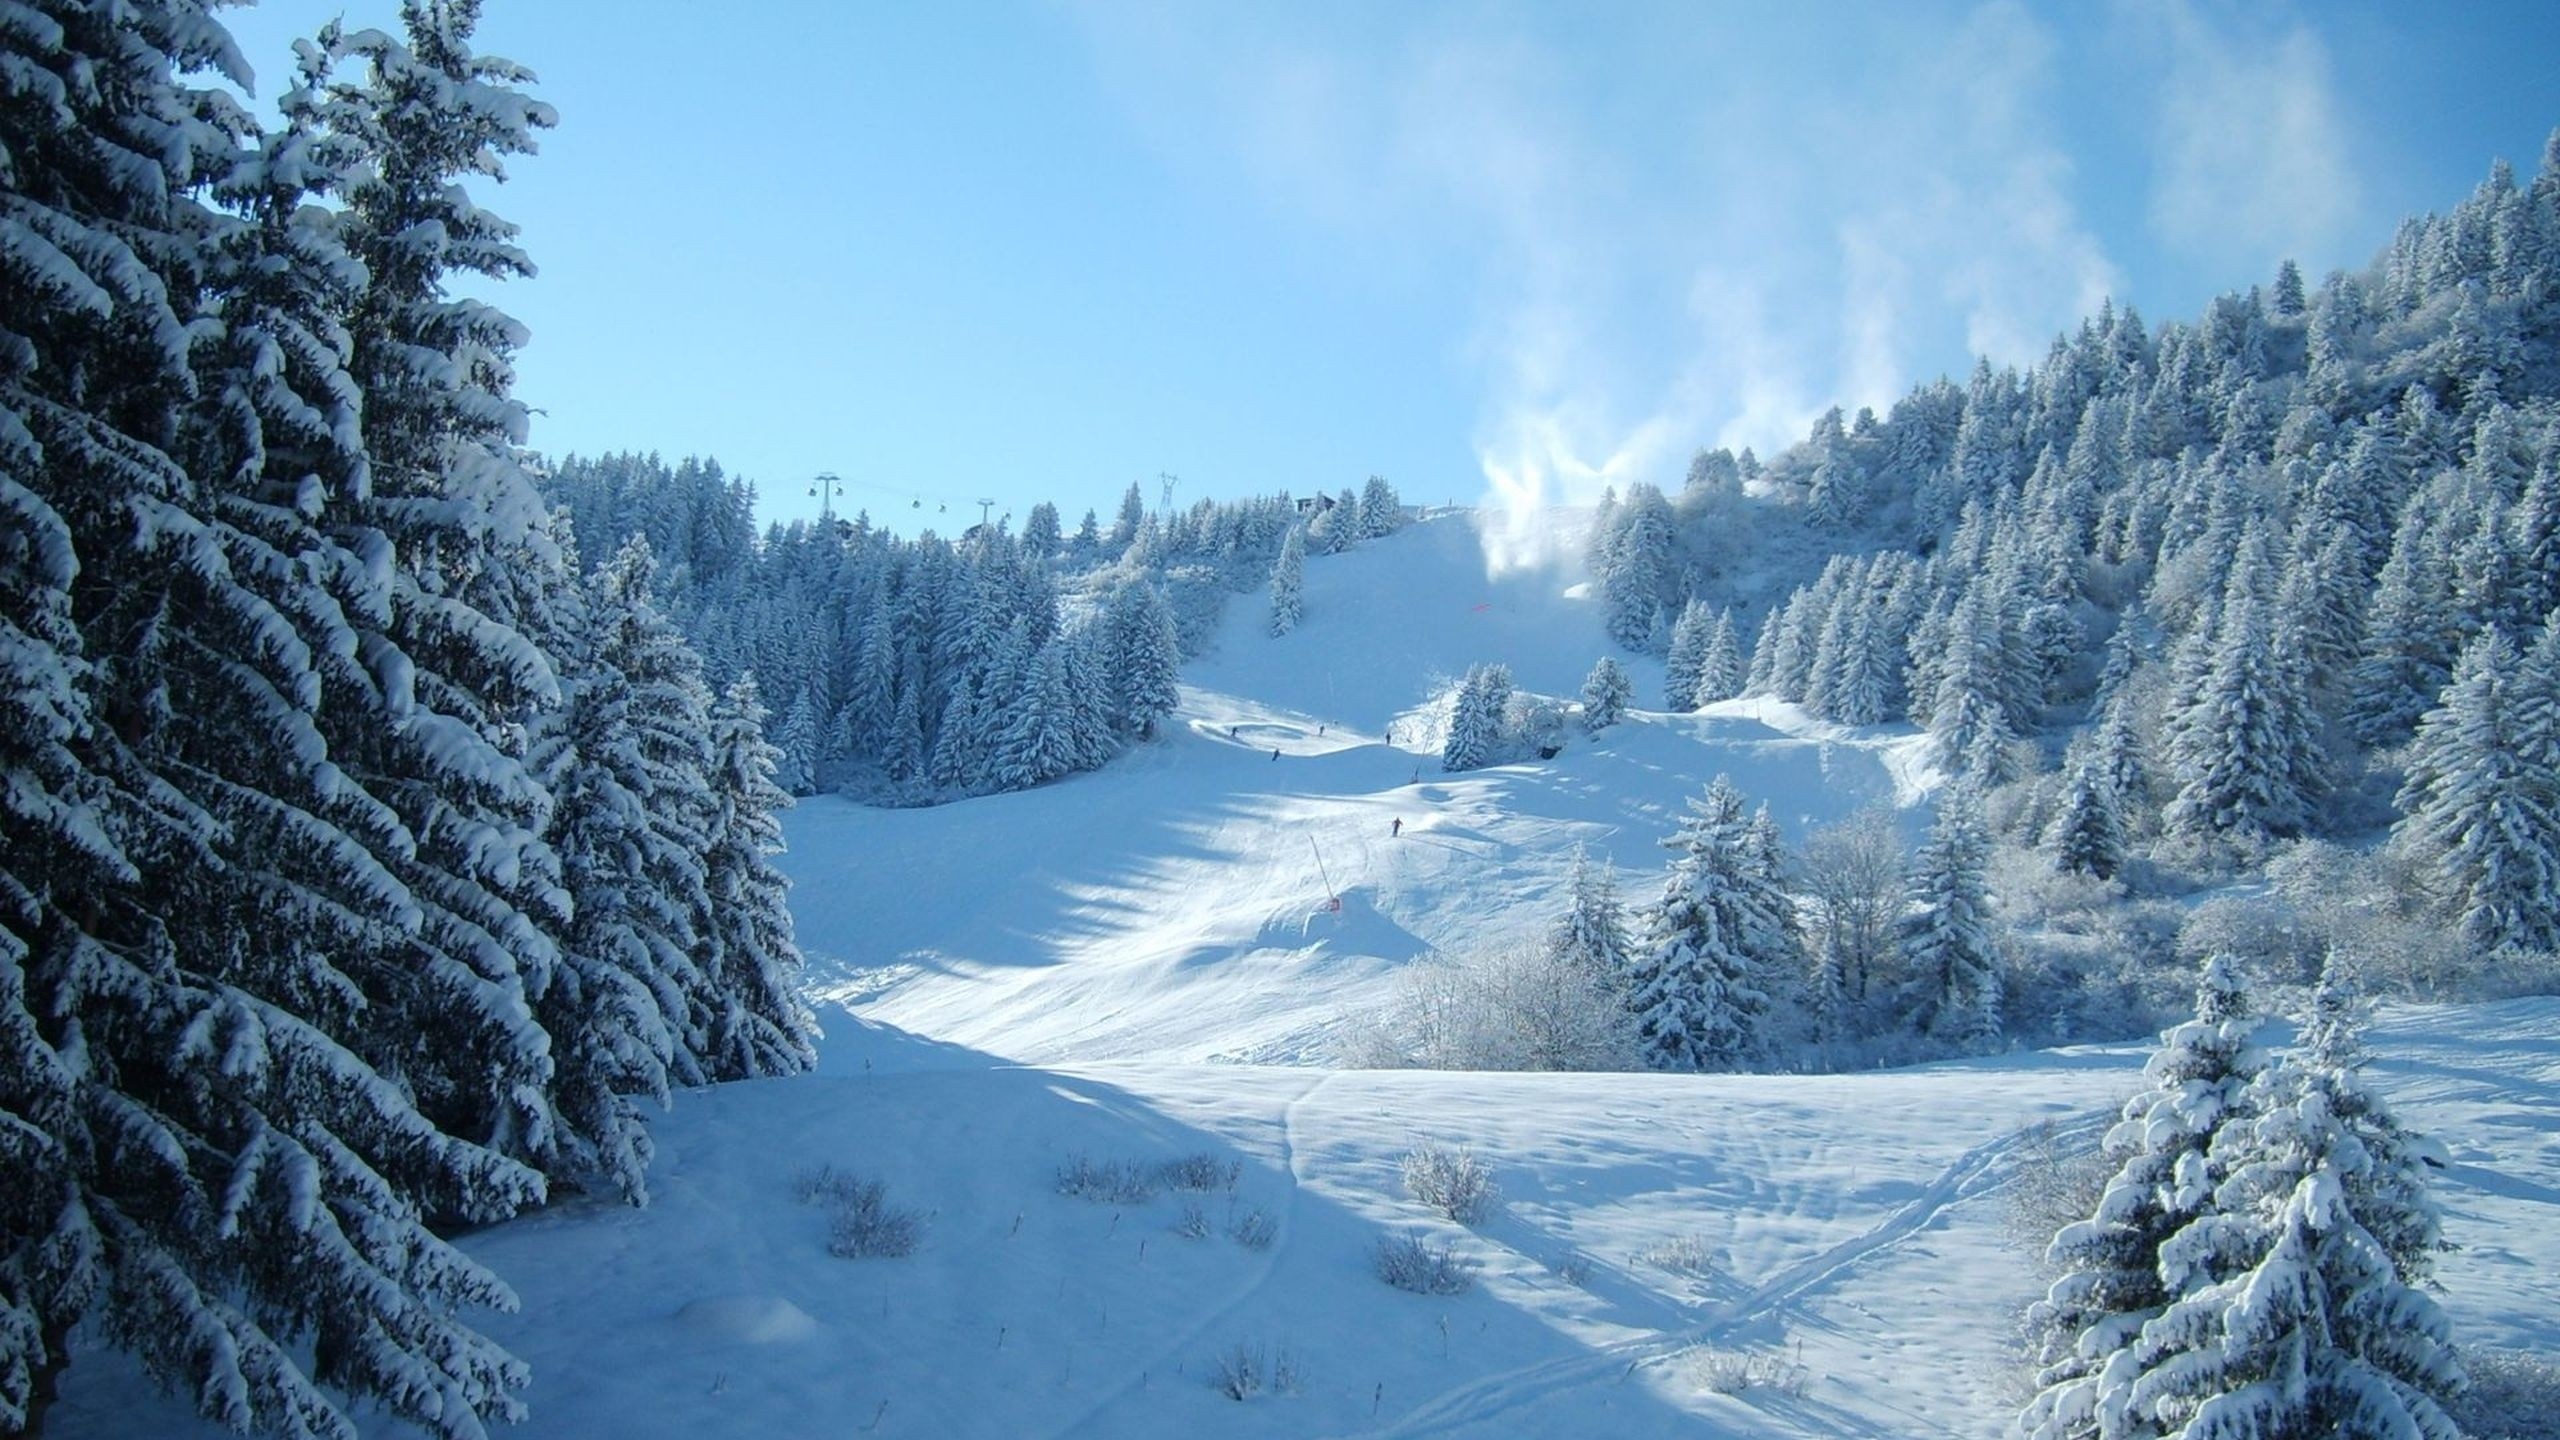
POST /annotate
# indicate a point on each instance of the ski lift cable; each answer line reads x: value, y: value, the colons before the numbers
x: 916, y: 498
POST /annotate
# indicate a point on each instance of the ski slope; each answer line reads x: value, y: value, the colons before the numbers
x: 1010, y: 984
x: 1176, y: 905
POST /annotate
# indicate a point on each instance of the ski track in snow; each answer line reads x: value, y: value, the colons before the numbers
x: 1480, y: 1400
x: 1170, y: 1355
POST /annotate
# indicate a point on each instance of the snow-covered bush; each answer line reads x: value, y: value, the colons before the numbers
x: 1411, y: 1263
x: 862, y: 1224
x: 2264, y: 935
x: 820, y: 1184
x: 2513, y: 1395
x: 2059, y: 1179
x: 868, y: 1227
x: 1200, y: 1171
x: 1516, y: 1005
x: 1731, y: 1372
x: 1254, y: 1229
x: 2369, y: 905
x: 1453, y: 1182
x: 1688, y: 1255
x: 1110, y: 1182
x: 1248, y: 1368
x: 1192, y: 1222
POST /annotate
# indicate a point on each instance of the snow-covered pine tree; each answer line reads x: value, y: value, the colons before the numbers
x: 1720, y: 669
x: 1039, y: 742
x: 964, y: 745
x: 2088, y: 834
x: 1338, y: 527
x: 1288, y: 583
x: 870, y: 695
x: 2321, y: 603
x: 1862, y: 665
x: 2111, y: 1284
x: 2315, y: 1338
x: 1967, y: 717
x: 1133, y: 514
x: 1145, y: 658
x: 2481, y: 804
x: 235, y: 978
x: 1381, y: 512
x: 2244, y: 748
x: 2390, y: 1195
x: 468, y: 542
x: 1605, y: 693
x: 798, y: 743
x: 1041, y: 540
x: 2292, y: 1316
x: 1475, y: 718
x: 1709, y: 947
x: 2535, y: 538
x: 1089, y: 688
x: 1687, y: 656
x: 2409, y: 641
x: 1947, y: 947
x: 1592, y: 932
x: 758, y: 1025
x: 1636, y: 568
x: 626, y: 759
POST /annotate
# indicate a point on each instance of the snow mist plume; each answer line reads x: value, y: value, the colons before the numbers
x: 1756, y: 218
x: 1535, y: 468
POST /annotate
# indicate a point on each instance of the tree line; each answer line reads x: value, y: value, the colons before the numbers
x: 2186, y: 591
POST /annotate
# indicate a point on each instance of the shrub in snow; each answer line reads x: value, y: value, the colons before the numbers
x: 1520, y: 1005
x: 1453, y: 1182
x: 2514, y: 1395
x: 862, y: 1224
x: 1254, y: 1229
x: 1681, y: 1255
x: 1193, y: 1222
x: 2059, y: 1181
x: 1201, y: 1171
x: 1411, y: 1263
x: 1731, y: 1372
x: 1237, y: 1371
x: 1111, y: 1182
x: 868, y: 1227
x: 1572, y: 1267
x: 1246, y: 1369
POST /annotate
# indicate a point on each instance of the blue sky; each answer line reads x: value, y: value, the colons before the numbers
x: 1038, y: 251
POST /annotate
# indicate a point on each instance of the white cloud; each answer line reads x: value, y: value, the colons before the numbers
x: 2252, y: 147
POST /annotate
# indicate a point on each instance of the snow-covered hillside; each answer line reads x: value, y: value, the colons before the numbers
x: 1175, y: 905
x: 1844, y: 1235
